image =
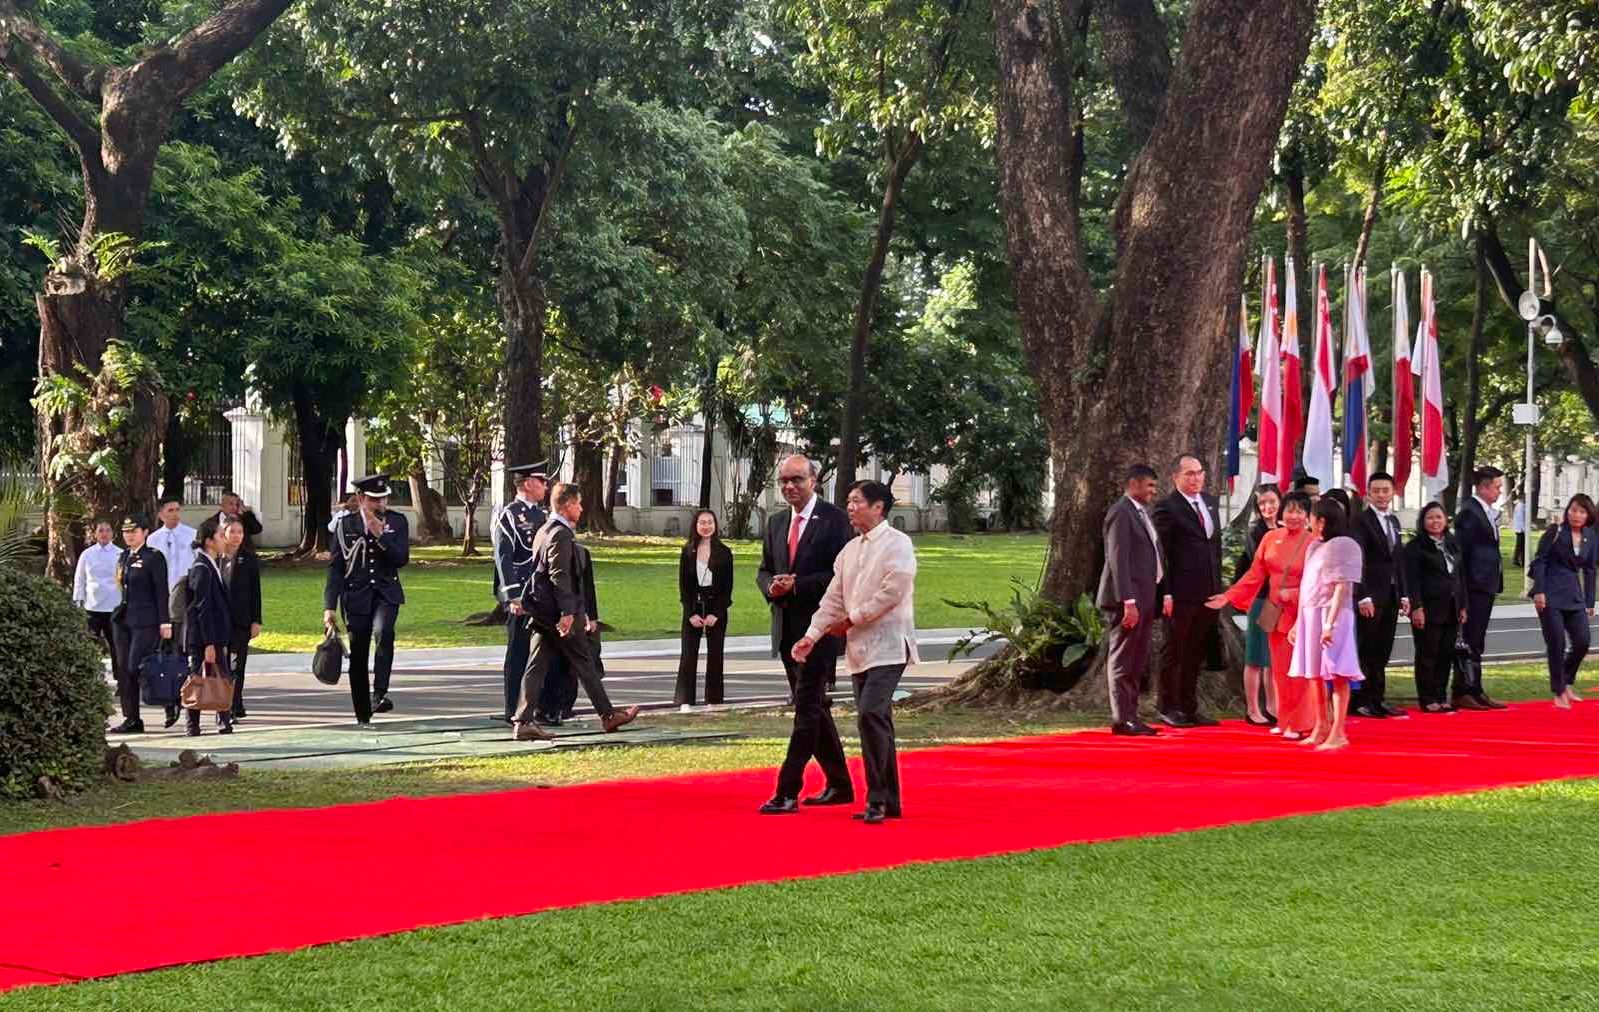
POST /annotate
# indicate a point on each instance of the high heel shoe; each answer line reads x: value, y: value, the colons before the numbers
x: 1252, y: 722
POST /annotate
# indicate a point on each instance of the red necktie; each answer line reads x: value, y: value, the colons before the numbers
x: 793, y: 538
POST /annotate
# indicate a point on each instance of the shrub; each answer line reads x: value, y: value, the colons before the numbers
x: 53, y: 695
x: 1051, y: 644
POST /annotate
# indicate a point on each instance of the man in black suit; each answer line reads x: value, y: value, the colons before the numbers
x: 796, y: 566
x: 1477, y: 534
x: 1380, y: 596
x: 233, y: 506
x: 1127, y: 594
x: 369, y: 548
x: 558, y: 600
x: 1189, y: 525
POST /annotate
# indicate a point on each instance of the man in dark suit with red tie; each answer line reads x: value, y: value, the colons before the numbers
x: 1380, y: 597
x: 1189, y: 525
x: 796, y: 566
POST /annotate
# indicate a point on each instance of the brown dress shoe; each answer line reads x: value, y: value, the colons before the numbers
x: 1467, y: 703
x: 616, y: 718
x: 532, y: 732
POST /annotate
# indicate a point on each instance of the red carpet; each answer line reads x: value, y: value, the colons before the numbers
x: 304, y: 877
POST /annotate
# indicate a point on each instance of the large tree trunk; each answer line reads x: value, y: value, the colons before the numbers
x: 176, y: 457
x: 432, y: 516
x: 468, y: 528
x: 320, y: 440
x: 708, y: 447
x: 849, y: 437
x: 588, y: 471
x: 521, y: 296
x: 1473, y: 423
x: 79, y: 313
x: 1181, y: 225
x: 613, y: 478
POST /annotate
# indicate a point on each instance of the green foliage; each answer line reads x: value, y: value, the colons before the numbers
x: 1050, y: 642
x: 53, y: 695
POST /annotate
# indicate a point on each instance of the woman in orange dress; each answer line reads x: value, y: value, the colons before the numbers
x: 1278, y: 565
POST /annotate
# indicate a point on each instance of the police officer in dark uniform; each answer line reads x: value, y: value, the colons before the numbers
x: 369, y: 547
x: 142, y: 621
x: 515, y: 527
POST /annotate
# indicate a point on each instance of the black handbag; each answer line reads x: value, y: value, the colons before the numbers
x: 327, y: 664
x: 161, y: 676
x: 1465, y: 668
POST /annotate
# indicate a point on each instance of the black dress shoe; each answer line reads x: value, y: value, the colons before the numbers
x: 1392, y: 711
x: 1176, y: 720
x: 128, y: 727
x: 226, y: 728
x: 1487, y: 702
x: 193, y: 731
x: 1133, y: 729
x: 238, y: 713
x: 172, y: 716
x: 873, y: 815
x: 832, y: 796
x: 1271, y: 718
x: 383, y: 705
x: 1368, y: 712
x: 780, y: 806
x: 1200, y: 720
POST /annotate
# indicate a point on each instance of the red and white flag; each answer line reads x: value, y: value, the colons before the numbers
x: 1404, y: 402
x: 1357, y: 379
x: 1323, y: 388
x: 1268, y: 363
x: 1427, y: 365
x: 1291, y: 421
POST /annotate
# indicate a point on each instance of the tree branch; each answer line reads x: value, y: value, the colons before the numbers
x: 78, y: 130
x: 185, y: 65
x: 82, y: 79
x: 1139, y: 62
x: 552, y: 181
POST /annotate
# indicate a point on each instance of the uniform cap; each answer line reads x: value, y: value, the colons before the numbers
x: 374, y: 485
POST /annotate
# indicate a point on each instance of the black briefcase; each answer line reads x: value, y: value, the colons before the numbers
x: 161, y: 676
x: 327, y: 664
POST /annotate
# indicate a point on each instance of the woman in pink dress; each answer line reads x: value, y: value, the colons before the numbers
x: 1324, y: 635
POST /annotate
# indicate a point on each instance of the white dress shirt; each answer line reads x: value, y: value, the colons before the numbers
x: 95, y: 584
x: 177, y: 544
x: 1198, y: 503
x: 1154, y: 539
x: 874, y: 580
x: 1388, y: 531
x: 1489, y: 509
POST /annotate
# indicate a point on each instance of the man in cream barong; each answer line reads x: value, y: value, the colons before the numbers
x: 870, y: 602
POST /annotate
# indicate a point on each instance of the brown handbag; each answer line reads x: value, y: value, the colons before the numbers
x: 1270, y: 611
x: 210, y: 691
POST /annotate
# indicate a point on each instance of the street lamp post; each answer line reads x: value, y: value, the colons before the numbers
x: 1530, y: 307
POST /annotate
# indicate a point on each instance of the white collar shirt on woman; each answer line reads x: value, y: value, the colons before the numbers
x: 874, y: 582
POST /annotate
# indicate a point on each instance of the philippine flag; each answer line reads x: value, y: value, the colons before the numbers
x: 1291, y: 421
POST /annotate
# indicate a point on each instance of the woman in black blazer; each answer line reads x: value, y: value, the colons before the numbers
x: 1437, y: 584
x: 208, y: 621
x: 243, y: 572
x: 705, y: 585
x: 141, y: 621
x: 1563, y: 591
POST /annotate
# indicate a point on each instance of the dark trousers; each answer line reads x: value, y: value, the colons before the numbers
x: 1479, y: 608
x: 517, y: 635
x: 814, y: 732
x: 578, y: 649
x: 103, y: 628
x: 1129, y: 656
x: 238, y: 656
x: 1188, y: 633
x: 197, y: 666
x: 1560, y: 627
x: 874, y: 706
x: 1520, y: 557
x: 1435, y: 653
x: 689, y: 661
x: 134, y: 645
x: 559, y: 694
x: 1374, y: 640
x: 379, y: 625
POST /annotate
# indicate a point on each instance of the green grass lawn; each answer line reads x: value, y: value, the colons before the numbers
x: 1468, y: 902
x: 637, y: 581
